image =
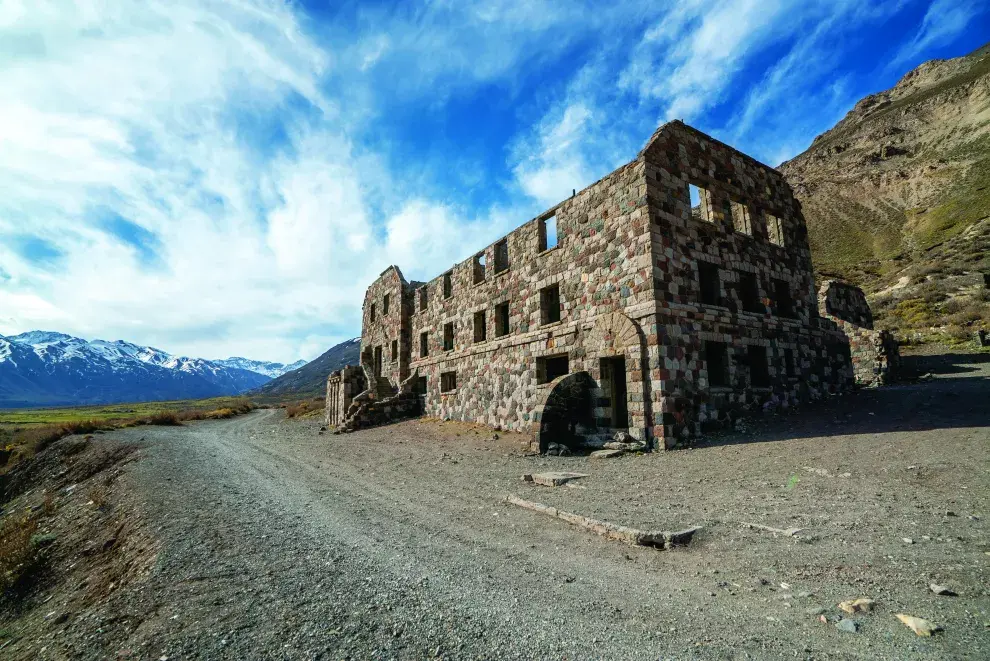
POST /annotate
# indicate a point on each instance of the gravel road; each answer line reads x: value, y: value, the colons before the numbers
x: 278, y: 542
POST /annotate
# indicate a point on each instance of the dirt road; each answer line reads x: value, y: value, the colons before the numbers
x: 277, y: 542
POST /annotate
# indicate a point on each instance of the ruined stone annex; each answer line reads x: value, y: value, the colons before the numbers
x: 667, y: 298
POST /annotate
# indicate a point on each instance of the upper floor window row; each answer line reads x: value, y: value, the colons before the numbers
x: 741, y: 213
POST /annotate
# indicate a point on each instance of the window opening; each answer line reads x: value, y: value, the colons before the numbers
x: 550, y: 367
x: 448, y: 336
x: 550, y: 304
x: 749, y: 293
x: 479, y: 268
x: 759, y: 372
x: 501, y: 255
x: 717, y: 362
x: 424, y: 344
x: 502, y: 319
x: 480, y: 329
x: 708, y: 280
x: 548, y: 233
x: 448, y: 381
x: 448, y: 284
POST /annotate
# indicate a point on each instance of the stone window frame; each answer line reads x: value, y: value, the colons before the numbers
x: 479, y: 268
x: 705, y: 203
x: 395, y: 351
x: 775, y: 229
x: 704, y: 265
x: 542, y: 378
x: 758, y: 306
x: 371, y: 313
x: 790, y: 309
x: 386, y: 299
x: 725, y: 368
x: 507, y: 329
x: 423, y: 298
x: 448, y: 325
x: 424, y: 344
x: 502, y: 262
x: 483, y: 316
x: 547, y: 309
x: 756, y: 355
x: 543, y: 235
x: 448, y: 381
x: 447, y: 285
x: 741, y: 214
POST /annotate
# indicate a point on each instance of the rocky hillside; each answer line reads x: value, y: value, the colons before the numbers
x: 310, y: 380
x: 897, y: 199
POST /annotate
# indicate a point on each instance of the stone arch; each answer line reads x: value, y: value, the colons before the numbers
x: 613, y: 333
x: 564, y: 408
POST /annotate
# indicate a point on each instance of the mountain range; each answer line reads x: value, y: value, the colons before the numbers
x: 897, y: 199
x: 42, y: 368
x: 310, y: 380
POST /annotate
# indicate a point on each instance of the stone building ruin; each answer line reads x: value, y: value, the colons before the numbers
x: 679, y: 288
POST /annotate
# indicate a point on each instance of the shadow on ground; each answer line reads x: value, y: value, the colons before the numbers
x: 955, y: 394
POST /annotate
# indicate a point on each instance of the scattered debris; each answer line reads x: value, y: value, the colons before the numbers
x: 849, y: 626
x: 918, y: 625
x: 656, y: 538
x: 558, y: 450
x: 942, y: 590
x: 908, y: 540
x: 861, y: 605
x: 790, y: 532
x: 606, y: 454
x: 553, y: 478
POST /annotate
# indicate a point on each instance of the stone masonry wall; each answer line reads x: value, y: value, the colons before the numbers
x: 804, y: 359
x: 601, y: 264
x: 631, y: 257
x: 342, y: 386
x: 874, y: 353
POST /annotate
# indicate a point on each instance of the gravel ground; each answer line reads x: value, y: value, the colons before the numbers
x: 277, y: 542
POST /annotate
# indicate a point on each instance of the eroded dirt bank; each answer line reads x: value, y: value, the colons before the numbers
x: 271, y: 541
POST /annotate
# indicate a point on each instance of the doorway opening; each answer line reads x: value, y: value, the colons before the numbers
x: 378, y: 361
x: 613, y: 371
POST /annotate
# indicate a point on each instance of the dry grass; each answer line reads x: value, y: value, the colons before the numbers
x: 18, y: 551
x: 304, y: 408
x: 21, y: 443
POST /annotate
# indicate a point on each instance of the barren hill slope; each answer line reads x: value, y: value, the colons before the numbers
x: 310, y: 380
x: 897, y: 198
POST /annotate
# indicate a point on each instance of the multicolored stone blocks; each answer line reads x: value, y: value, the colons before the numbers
x: 683, y: 312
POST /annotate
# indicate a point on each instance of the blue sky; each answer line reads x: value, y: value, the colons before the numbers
x: 225, y: 178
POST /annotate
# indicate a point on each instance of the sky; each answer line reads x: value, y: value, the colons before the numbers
x: 218, y: 178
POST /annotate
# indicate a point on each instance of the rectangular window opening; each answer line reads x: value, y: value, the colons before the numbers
x: 422, y: 299
x: 501, y: 255
x: 424, y: 344
x: 371, y: 314
x: 502, y: 319
x: 395, y: 350
x: 717, y: 364
x: 478, y: 265
x: 782, y: 301
x: 789, y: 363
x: 775, y: 230
x: 448, y: 336
x: 550, y: 304
x: 548, y: 233
x: 708, y: 280
x: 448, y: 381
x: 551, y: 367
x: 448, y: 284
x: 749, y: 293
x: 385, y: 302
x: 700, y: 203
x: 741, y: 218
x: 480, y: 327
x: 759, y: 371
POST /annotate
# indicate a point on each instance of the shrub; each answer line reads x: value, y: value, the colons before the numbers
x: 165, y: 419
x: 18, y: 553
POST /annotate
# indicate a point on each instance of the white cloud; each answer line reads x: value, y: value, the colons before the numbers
x: 944, y: 20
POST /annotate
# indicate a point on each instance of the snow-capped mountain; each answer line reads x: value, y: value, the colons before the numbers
x: 273, y: 370
x: 45, y: 368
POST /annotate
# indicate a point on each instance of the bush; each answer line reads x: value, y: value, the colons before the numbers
x: 165, y: 419
x: 18, y: 550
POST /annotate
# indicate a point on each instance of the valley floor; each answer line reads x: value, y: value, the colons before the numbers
x: 257, y: 537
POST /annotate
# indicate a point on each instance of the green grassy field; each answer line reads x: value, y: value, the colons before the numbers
x: 110, y: 413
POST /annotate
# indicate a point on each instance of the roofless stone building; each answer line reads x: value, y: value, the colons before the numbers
x: 664, y: 298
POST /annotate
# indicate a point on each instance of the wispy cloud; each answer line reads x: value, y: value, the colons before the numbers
x: 944, y: 20
x: 225, y: 178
